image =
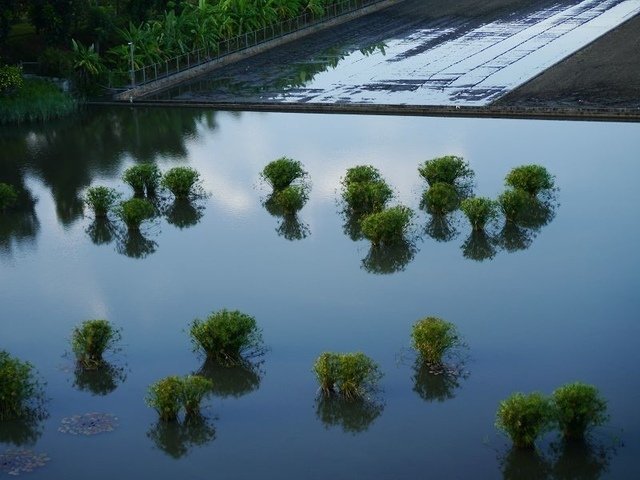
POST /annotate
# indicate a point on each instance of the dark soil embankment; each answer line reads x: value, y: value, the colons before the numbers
x: 605, y: 73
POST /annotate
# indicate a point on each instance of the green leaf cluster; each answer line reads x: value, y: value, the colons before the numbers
x: 135, y: 211
x: 387, y: 227
x: 91, y: 339
x: 8, y: 196
x: 19, y: 387
x: 479, y: 211
x: 525, y: 417
x: 180, y: 181
x: 283, y: 172
x: 364, y: 190
x: 441, y: 198
x: 513, y: 203
x: 143, y: 177
x: 290, y: 199
x: 226, y: 335
x: 10, y: 79
x: 449, y: 169
x: 169, y: 395
x: 433, y: 337
x: 578, y: 407
x: 530, y: 178
x: 350, y: 375
x: 101, y: 199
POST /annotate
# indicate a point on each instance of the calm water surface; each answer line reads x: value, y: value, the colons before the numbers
x: 553, y: 304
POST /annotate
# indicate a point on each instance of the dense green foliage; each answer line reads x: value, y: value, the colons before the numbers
x: 91, y: 339
x: 388, y: 226
x: 441, y: 198
x: 351, y: 375
x: 36, y: 101
x: 479, y: 211
x: 283, y: 172
x: 433, y: 337
x: 194, y: 389
x: 143, y: 178
x: 101, y: 200
x: 10, y: 79
x: 226, y: 335
x: 169, y: 395
x: 8, y: 196
x: 180, y: 181
x: 364, y: 190
x: 19, y: 387
x: 530, y: 178
x: 449, y: 169
x: 135, y: 211
x: 290, y: 199
x: 513, y: 203
x: 524, y: 418
x: 578, y: 407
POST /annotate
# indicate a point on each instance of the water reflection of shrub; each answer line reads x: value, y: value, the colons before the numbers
x: 231, y: 381
x: 134, y: 244
x: 352, y: 416
x: 183, y: 213
x: 22, y: 431
x: 176, y: 439
x: 441, y: 228
x: 437, y: 387
x: 101, y: 231
x: 519, y: 464
x: 479, y: 246
x: 101, y: 381
x: 513, y: 238
x: 290, y: 227
x: 385, y: 259
x: 19, y: 225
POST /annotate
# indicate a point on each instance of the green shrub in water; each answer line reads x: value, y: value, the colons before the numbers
x: 101, y: 200
x: 143, y: 177
x: 180, y: 181
x: 433, y: 337
x: 290, y: 199
x: 388, y: 226
x: 194, y: 389
x: 578, y: 407
x: 225, y: 335
x: 8, y: 196
x: 449, y: 169
x: 512, y: 203
x: 91, y: 339
x: 479, y: 211
x: 524, y: 418
x: 135, y: 211
x: 166, y: 397
x: 530, y: 178
x: 364, y: 190
x: 19, y: 387
x: 441, y: 198
x: 361, y: 174
x: 283, y: 172
x: 351, y: 375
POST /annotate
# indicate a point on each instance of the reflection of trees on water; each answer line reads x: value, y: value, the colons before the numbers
x: 183, y: 213
x: 513, y: 237
x: 520, y: 464
x: 22, y: 431
x: 478, y: 246
x: 351, y: 226
x: 352, y: 416
x: 385, y: 259
x: 441, y: 228
x: 19, y: 227
x: 100, y: 381
x: 434, y: 386
x: 290, y: 227
x: 134, y: 244
x: 176, y: 439
x: 101, y: 231
x: 231, y: 381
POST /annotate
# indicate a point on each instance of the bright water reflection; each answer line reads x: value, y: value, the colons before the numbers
x: 542, y: 312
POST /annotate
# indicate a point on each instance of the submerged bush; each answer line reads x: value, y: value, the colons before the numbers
x: 290, y: 199
x: 143, y: 177
x: 441, y: 198
x: 166, y: 397
x: 578, y: 407
x: 101, y: 200
x: 19, y: 387
x: 135, y: 211
x: 194, y: 389
x: 364, y: 190
x: 513, y: 203
x: 8, y: 196
x: 351, y: 375
x: 433, y: 337
x: 226, y: 335
x: 530, y: 178
x: 180, y: 181
x: 388, y: 226
x: 524, y: 418
x: 282, y: 172
x: 479, y: 211
x: 449, y: 169
x: 91, y: 339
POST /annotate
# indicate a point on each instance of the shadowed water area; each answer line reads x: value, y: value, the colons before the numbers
x: 539, y: 304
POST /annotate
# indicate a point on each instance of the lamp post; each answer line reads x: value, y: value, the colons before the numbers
x: 133, y: 76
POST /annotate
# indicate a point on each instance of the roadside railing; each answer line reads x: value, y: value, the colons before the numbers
x: 186, y: 61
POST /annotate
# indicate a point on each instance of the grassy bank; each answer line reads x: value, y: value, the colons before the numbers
x: 37, y: 100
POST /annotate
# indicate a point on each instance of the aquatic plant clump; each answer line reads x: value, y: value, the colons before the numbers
x: 351, y: 375
x: 20, y: 389
x: 91, y: 339
x: 524, y: 418
x: 194, y: 389
x: 135, y: 211
x: 513, y: 203
x: 101, y: 200
x: 479, y: 211
x: 361, y: 174
x: 143, y: 178
x: 8, y: 196
x: 226, y: 335
x: 441, y: 198
x: 180, y: 181
x: 88, y: 424
x: 364, y: 190
x: 388, y: 226
x: 530, y: 178
x: 433, y: 337
x: 166, y: 397
x: 290, y: 199
x: 17, y: 462
x: 449, y: 169
x: 578, y: 407
x: 282, y: 172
